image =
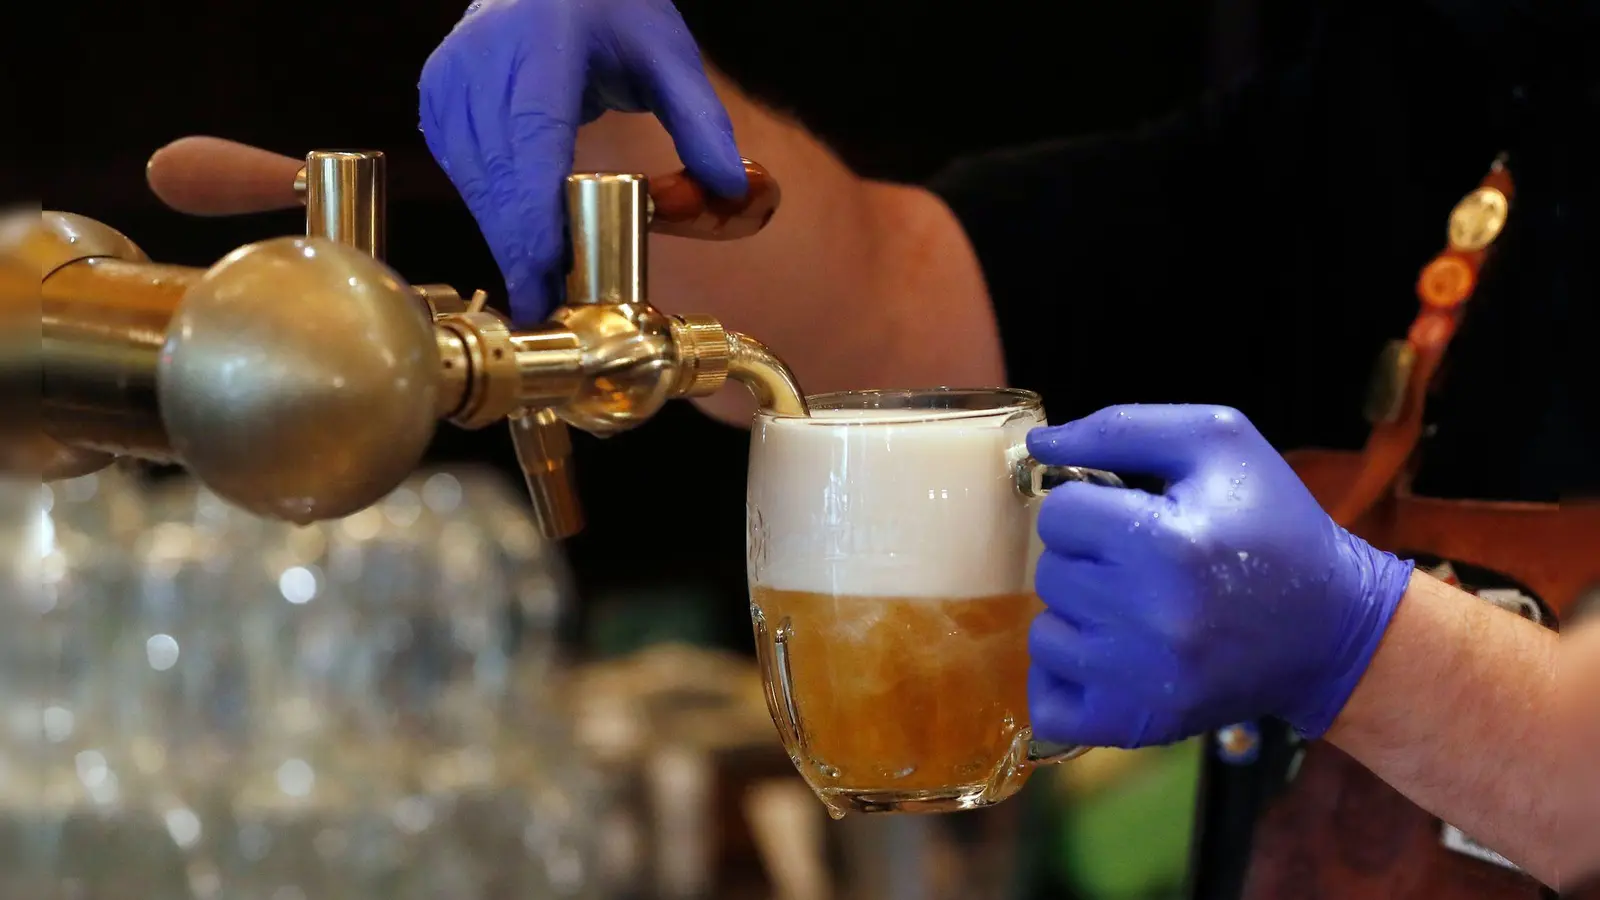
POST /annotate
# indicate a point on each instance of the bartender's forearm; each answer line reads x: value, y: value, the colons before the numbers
x: 1462, y: 711
x: 1578, y: 677
x: 855, y: 283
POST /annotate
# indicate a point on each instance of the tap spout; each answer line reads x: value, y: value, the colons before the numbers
x: 756, y: 367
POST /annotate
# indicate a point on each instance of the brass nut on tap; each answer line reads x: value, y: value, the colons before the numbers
x: 703, y: 354
x: 493, y: 380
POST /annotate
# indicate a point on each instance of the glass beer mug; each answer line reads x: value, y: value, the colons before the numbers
x: 891, y: 545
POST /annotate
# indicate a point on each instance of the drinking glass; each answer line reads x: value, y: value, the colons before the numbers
x: 891, y: 545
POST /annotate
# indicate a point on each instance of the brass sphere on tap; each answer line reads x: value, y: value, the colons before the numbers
x: 299, y: 379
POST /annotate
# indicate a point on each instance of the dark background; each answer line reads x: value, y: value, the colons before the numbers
x: 896, y: 89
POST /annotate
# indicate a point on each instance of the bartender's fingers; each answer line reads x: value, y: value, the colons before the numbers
x: 1087, y: 593
x: 1097, y: 522
x: 1055, y: 646
x: 209, y: 176
x: 1064, y: 712
x: 1165, y: 441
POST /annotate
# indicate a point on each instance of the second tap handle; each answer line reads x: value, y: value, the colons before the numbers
x: 682, y: 207
x: 609, y: 213
x: 606, y: 218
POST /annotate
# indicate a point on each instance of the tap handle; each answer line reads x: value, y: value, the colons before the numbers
x: 344, y: 192
x: 346, y: 195
x: 210, y: 176
x: 682, y: 207
x: 610, y: 212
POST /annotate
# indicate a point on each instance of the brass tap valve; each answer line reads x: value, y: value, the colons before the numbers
x: 607, y: 360
x: 300, y: 378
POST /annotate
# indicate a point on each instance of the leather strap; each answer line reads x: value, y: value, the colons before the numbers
x: 1444, y: 286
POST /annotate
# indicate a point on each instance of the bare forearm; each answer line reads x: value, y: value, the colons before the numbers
x: 855, y: 283
x: 1461, y: 711
x: 1578, y: 674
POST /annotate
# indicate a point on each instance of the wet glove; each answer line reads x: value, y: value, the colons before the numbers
x: 1231, y: 596
x: 502, y: 98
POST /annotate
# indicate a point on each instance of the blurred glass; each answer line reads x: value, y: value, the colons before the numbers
x: 248, y: 710
x: 24, y: 866
x: 59, y: 781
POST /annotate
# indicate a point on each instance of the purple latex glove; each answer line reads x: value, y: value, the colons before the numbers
x: 1231, y: 597
x: 502, y: 98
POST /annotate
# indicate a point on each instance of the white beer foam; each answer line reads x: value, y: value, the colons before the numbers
x: 891, y: 503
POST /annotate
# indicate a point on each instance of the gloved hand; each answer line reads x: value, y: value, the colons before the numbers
x: 502, y: 98
x: 1230, y: 597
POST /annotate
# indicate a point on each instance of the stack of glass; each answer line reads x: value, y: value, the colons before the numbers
x: 209, y: 705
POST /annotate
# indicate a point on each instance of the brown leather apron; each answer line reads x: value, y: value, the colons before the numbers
x: 1337, y: 830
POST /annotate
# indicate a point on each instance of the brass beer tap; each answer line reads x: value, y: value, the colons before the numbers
x: 300, y: 378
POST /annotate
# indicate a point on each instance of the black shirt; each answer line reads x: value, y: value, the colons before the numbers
x: 1259, y: 250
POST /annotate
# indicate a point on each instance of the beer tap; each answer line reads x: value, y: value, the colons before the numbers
x: 301, y: 378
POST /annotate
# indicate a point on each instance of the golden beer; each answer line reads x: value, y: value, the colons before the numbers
x: 912, y: 694
x: 891, y: 549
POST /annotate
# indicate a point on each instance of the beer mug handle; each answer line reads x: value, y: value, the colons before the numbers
x: 772, y: 656
x: 1035, y: 479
